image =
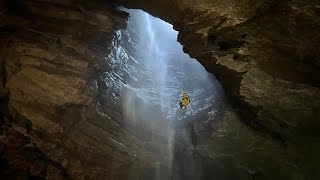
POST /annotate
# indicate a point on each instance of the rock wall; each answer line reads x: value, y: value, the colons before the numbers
x: 54, y: 61
x: 53, y: 80
x: 265, y: 53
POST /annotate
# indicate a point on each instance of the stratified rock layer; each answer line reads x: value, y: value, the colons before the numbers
x: 53, y: 56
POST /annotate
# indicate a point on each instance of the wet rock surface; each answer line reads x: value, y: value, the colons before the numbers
x: 63, y: 81
x: 52, y: 53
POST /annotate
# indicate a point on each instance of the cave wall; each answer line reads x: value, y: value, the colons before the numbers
x: 265, y: 53
x: 54, y: 60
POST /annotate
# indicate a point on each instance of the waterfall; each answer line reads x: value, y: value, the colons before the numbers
x: 158, y: 70
x: 156, y: 64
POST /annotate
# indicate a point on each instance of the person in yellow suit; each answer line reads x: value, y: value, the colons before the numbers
x: 185, y: 100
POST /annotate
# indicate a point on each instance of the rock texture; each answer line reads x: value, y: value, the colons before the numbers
x: 61, y: 120
x: 265, y: 53
x: 53, y: 57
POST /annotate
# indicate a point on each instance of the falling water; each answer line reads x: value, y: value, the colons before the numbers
x: 152, y: 68
x: 167, y: 69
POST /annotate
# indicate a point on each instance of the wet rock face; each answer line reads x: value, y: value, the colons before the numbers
x: 264, y: 53
x: 52, y: 56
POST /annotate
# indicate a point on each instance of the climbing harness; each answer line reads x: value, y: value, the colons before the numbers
x: 185, y: 100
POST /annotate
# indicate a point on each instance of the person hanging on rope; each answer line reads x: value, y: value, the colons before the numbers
x: 185, y: 100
